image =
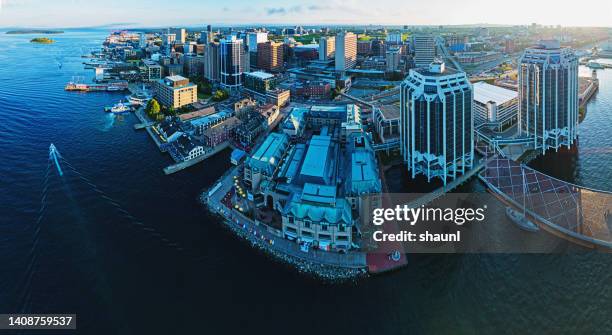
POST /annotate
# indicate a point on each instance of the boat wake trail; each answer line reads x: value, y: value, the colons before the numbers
x: 135, y: 222
x: 109, y: 122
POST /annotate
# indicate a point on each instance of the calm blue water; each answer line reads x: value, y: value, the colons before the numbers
x: 169, y: 268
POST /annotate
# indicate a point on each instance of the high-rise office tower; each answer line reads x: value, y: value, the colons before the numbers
x: 436, y: 123
x: 142, y: 41
x: 346, y: 51
x: 327, y: 47
x: 204, y: 37
x: 212, y: 61
x: 209, y: 28
x: 270, y: 56
x: 232, y: 55
x: 168, y: 39
x: 254, y: 38
x: 393, y: 59
x: 424, y: 49
x: 181, y: 34
x: 548, y: 95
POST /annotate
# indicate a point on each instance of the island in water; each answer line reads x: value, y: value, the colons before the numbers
x: 33, y: 31
x: 42, y: 40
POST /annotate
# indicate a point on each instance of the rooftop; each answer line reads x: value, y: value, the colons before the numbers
x: 316, y: 157
x: 204, y: 120
x: 260, y: 75
x: 390, y: 112
x: 176, y: 78
x: 268, y: 155
x: 319, y: 193
x: 484, y: 92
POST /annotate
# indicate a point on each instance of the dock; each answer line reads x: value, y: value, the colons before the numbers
x: 183, y: 165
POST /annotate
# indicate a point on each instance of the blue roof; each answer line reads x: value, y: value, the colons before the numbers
x: 210, y: 119
x: 337, y: 213
x: 363, y: 177
x: 237, y: 154
x: 295, y: 119
x: 319, y: 193
x: 317, y: 157
x: 269, y: 154
x: 291, y: 169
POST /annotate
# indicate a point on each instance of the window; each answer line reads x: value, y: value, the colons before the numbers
x: 341, y: 228
x: 290, y: 219
x: 324, y: 227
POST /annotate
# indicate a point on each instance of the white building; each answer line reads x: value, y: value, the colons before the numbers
x: 393, y: 59
x: 180, y: 33
x: 254, y: 38
x: 346, y: 51
x: 327, y: 47
x: 494, y: 107
x: 424, y: 49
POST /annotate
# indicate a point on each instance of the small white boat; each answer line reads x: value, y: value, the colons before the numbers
x: 521, y: 220
x: 119, y: 108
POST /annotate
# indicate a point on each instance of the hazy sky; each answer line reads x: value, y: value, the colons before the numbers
x: 74, y: 13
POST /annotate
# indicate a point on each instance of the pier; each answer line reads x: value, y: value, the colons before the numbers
x: 578, y: 214
x: 209, y: 152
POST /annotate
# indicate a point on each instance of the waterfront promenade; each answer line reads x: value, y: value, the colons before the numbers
x: 321, y: 263
x: 579, y: 214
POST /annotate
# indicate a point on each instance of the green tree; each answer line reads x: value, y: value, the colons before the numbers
x: 220, y: 95
x: 152, y: 109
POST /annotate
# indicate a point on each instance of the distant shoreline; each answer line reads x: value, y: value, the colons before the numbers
x: 33, y: 31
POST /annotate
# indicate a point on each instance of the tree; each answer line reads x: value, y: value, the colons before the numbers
x: 220, y: 95
x: 152, y: 109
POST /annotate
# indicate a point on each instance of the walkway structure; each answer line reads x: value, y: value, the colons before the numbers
x: 582, y: 214
x: 392, y: 144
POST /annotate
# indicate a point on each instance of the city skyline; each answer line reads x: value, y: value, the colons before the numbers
x: 140, y: 13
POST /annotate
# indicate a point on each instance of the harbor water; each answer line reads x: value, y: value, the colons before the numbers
x: 131, y: 251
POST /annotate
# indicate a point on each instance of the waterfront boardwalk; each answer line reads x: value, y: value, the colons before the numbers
x: 271, y: 238
x: 148, y: 125
x: 579, y: 214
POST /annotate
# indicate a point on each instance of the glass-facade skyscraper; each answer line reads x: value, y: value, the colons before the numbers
x: 436, y: 122
x: 548, y: 95
x: 232, y: 62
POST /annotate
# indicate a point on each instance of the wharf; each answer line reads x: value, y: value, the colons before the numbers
x: 146, y: 124
x: 183, y: 165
